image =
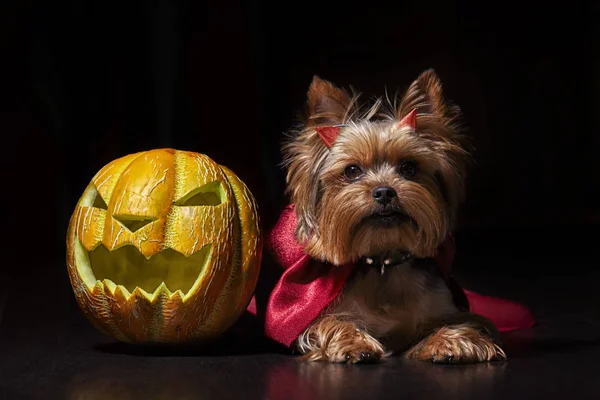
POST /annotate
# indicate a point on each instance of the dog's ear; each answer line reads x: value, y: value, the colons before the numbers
x: 426, y: 96
x: 305, y: 153
x: 437, y: 122
x: 327, y: 104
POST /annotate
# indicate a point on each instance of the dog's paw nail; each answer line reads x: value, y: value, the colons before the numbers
x: 443, y: 359
x: 367, y: 357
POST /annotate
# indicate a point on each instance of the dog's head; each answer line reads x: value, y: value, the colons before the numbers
x: 390, y: 178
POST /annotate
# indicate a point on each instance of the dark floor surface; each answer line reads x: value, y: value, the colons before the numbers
x: 49, y: 351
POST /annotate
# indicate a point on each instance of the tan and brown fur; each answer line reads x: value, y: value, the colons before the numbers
x: 408, y: 309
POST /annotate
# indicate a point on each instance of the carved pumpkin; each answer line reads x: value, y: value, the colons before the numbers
x: 164, y: 246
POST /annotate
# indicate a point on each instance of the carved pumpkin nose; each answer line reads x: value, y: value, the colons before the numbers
x: 134, y: 222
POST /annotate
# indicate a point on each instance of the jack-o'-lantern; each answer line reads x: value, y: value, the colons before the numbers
x: 164, y: 246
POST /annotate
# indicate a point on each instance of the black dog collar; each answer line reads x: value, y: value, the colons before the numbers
x: 387, y: 260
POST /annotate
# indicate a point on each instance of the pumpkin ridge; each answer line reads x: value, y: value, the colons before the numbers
x: 234, y: 280
x: 121, y: 164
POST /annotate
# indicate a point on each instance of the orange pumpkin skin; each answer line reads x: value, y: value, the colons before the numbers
x: 164, y: 246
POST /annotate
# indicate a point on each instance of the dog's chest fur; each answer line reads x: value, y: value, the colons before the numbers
x: 397, y: 303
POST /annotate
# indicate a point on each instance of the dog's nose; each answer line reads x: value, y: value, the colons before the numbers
x: 384, y: 194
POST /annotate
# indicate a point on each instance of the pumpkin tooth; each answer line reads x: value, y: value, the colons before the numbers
x: 109, y: 285
x: 141, y: 292
x: 121, y: 291
x: 97, y: 288
x: 161, y: 289
x: 179, y: 293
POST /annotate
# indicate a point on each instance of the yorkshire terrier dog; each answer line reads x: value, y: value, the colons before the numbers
x: 380, y: 188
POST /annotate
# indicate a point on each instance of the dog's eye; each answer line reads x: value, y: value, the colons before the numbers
x: 353, y: 172
x: 408, y: 169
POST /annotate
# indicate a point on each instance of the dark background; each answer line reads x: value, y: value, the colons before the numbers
x: 86, y: 82
x: 83, y: 83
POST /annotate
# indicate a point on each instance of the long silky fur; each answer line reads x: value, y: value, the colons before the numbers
x: 305, y: 156
x: 408, y: 306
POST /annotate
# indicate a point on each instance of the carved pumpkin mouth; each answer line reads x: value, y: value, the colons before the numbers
x: 127, y: 270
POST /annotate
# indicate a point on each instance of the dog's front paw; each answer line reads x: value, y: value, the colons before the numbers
x: 363, y: 349
x: 456, y: 344
x: 356, y: 347
x: 339, y: 341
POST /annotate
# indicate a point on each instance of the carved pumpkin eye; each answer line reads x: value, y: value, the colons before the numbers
x: 211, y: 194
x: 91, y: 198
x: 99, y: 202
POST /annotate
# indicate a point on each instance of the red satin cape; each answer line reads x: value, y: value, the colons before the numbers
x: 307, y: 286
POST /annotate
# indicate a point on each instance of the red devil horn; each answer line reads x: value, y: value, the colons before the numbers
x: 409, y: 120
x: 328, y: 134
